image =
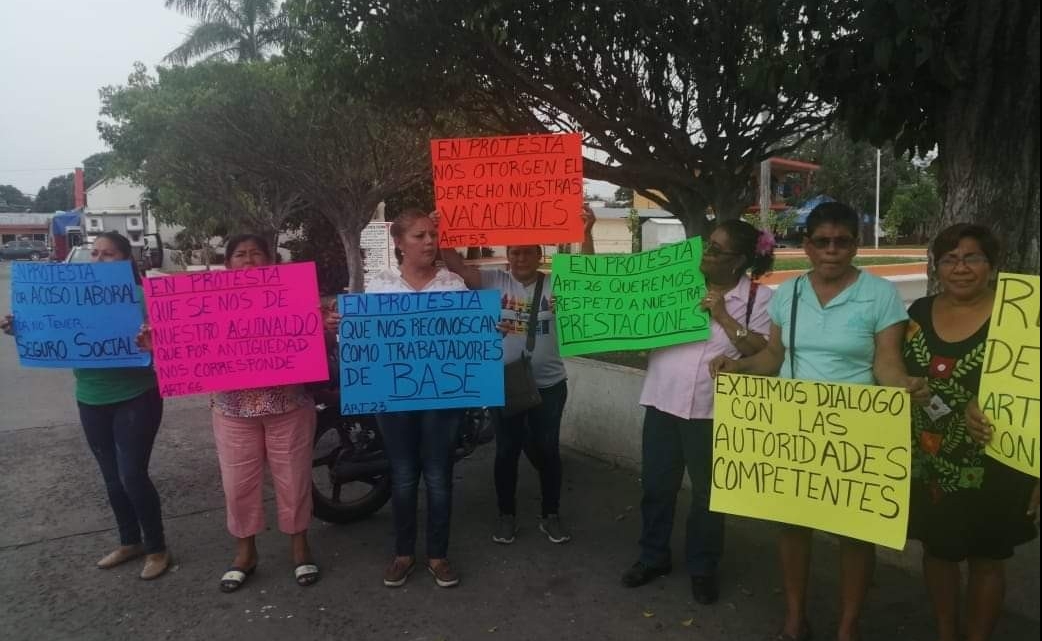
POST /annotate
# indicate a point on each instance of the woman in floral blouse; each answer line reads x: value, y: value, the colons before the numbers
x: 965, y: 506
x: 275, y: 425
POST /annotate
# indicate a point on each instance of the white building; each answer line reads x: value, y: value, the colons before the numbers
x: 117, y: 204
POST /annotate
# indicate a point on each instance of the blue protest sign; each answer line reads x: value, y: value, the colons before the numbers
x: 83, y: 315
x: 423, y: 350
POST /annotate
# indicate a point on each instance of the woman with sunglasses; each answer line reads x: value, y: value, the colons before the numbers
x: 965, y: 506
x: 847, y: 326
x: 678, y: 421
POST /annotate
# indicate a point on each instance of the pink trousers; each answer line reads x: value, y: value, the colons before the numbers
x: 243, y: 445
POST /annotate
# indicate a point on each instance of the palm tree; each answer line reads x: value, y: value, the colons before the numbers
x: 242, y: 30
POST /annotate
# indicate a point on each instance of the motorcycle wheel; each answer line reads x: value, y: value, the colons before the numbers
x: 335, y: 502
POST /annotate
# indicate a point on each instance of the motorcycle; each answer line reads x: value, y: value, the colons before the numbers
x: 351, y: 474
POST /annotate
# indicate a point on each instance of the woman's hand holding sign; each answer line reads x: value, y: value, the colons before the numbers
x: 723, y: 365
x: 144, y: 338
x: 977, y: 423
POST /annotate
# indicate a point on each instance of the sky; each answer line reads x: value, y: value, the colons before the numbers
x: 54, y: 56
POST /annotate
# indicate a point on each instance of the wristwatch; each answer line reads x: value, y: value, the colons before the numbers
x: 740, y: 333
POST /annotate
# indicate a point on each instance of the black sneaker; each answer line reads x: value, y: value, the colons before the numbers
x: 553, y: 529
x: 704, y: 589
x: 506, y: 529
x: 639, y: 574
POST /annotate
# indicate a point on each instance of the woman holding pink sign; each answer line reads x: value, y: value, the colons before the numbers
x: 251, y: 426
x: 120, y: 410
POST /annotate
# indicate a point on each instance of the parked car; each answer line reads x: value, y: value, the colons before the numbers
x: 24, y: 250
x: 79, y: 254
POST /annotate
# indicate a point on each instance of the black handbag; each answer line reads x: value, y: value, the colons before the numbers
x: 520, y: 390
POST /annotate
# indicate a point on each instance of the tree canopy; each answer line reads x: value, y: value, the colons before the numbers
x: 13, y: 200
x: 959, y: 76
x: 678, y: 100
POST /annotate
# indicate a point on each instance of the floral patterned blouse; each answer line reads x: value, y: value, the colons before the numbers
x: 944, y: 456
x: 261, y: 401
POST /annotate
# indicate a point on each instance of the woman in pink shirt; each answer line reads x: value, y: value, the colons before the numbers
x: 678, y: 395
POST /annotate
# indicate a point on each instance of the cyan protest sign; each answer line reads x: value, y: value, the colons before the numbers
x: 83, y: 315
x: 422, y: 350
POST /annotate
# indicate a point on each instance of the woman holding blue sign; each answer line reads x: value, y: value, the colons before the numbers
x: 965, y: 506
x: 120, y: 410
x: 526, y: 296
x: 834, y: 323
x: 419, y: 440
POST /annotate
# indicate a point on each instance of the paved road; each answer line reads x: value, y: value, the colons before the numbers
x: 56, y: 523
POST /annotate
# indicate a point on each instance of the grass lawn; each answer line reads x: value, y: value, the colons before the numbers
x: 782, y: 264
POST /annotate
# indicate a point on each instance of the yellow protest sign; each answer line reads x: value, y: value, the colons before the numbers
x: 830, y: 456
x: 1009, y: 380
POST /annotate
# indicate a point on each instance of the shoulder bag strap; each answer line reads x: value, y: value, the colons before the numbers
x: 753, y: 286
x: 533, y: 315
x: 792, y: 327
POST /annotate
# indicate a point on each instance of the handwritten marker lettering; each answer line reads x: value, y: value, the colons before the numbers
x: 236, y: 329
x: 831, y: 456
x: 508, y: 190
x: 632, y: 301
x: 425, y: 350
x: 76, y: 315
x: 1009, y: 386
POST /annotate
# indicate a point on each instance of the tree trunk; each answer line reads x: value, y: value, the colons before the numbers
x: 352, y: 242
x: 989, y: 149
x: 690, y: 208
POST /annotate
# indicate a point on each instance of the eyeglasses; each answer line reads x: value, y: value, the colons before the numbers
x: 969, y: 260
x: 717, y: 250
x: 839, y: 242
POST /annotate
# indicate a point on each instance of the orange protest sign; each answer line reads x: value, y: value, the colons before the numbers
x: 508, y: 190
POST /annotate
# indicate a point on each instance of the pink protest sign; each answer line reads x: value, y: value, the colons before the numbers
x: 235, y: 329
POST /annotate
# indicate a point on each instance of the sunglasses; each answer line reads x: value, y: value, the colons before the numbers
x: 839, y: 242
x: 970, y: 260
x: 717, y: 250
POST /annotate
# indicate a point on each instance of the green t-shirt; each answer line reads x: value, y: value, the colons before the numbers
x: 113, y: 385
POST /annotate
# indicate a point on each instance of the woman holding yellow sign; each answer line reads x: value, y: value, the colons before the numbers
x: 840, y: 324
x: 965, y: 506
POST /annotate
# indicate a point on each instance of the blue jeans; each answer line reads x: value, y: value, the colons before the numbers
x: 537, y: 433
x: 670, y: 443
x: 121, y: 436
x: 421, y: 441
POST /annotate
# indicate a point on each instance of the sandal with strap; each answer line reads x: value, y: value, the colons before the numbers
x: 306, y: 574
x: 234, y: 578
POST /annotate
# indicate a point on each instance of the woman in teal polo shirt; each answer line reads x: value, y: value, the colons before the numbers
x: 120, y: 410
x: 846, y: 325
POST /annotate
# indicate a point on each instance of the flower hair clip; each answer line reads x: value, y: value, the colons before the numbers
x: 765, y: 243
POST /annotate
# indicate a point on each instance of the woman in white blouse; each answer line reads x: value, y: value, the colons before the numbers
x: 420, y: 440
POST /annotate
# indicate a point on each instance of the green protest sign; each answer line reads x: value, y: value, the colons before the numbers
x: 630, y: 301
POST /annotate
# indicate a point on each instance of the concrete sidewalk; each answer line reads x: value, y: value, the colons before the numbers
x: 57, y: 523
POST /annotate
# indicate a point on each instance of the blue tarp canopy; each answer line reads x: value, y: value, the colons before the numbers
x: 804, y: 210
x: 62, y: 220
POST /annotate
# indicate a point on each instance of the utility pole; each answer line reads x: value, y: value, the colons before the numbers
x: 879, y: 162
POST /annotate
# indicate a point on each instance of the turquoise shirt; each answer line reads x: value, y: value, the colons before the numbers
x: 836, y: 342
